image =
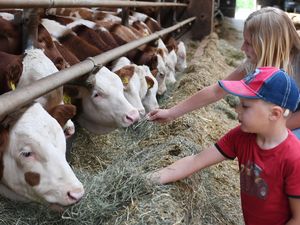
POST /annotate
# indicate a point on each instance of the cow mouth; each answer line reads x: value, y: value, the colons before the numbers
x: 57, y: 207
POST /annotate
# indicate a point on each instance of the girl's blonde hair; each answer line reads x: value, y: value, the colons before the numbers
x: 274, y: 38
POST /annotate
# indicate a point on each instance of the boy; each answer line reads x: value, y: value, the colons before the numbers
x: 268, y: 153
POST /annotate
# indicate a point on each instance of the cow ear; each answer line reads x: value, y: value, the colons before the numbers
x: 125, y: 73
x: 62, y: 113
x: 150, y: 82
x: 3, y: 144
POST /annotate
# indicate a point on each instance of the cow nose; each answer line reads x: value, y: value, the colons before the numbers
x: 75, y: 195
x: 132, y: 117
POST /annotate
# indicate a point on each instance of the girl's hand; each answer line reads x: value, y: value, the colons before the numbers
x: 160, y: 115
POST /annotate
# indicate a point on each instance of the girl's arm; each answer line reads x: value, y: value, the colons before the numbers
x: 295, y: 208
x: 202, y: 98
x: 187, y: 166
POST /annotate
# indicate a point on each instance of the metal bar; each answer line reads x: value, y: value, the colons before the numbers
x: 12, y: 100
x: 81, y: 3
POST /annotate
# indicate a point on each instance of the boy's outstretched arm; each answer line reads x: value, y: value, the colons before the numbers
x: 295, y: 208
x: 187, y: 166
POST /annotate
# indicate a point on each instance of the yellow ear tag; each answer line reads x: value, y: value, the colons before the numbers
x: 12, y: 85
x: 125, y: 80
x: 67, y: 99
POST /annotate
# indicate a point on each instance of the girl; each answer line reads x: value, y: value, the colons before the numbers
x: 270, y: 39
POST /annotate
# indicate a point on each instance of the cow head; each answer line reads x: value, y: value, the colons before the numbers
x: 171, y: 61
x: 135, y: 86
x: 160, y: 74
x: 103, y: 104
x: 181, y: 57
x: 150, y: 101
x: 33, y: 165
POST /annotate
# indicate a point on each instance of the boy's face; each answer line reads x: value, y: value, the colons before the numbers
x: 248, y: 48
x: 253, y: 114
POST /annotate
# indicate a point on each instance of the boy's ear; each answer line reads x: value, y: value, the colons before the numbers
x: 276, y: 113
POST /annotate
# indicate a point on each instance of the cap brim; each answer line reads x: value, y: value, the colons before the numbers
x: 238, y: 88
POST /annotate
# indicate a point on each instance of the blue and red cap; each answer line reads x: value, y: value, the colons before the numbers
x: 267, y: 83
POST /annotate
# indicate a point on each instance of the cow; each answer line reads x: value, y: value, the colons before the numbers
x: 11, y: 41
x: 69, y: 39
x: 154, y: 58
x: 33, y: 165
x: 180, y: 50
x: 170, y: 59
x: 140, y: 87
x: 37, y: 65
x: 102, y: 104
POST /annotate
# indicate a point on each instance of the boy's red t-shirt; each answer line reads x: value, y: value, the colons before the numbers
x: 267, y: 177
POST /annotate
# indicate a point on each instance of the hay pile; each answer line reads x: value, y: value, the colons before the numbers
x: 112, y: 167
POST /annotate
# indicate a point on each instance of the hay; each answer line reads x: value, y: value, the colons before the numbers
x: 113, y: 167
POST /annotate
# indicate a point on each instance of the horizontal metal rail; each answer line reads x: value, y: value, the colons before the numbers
x: 81, y: 3
x: 12, y: 100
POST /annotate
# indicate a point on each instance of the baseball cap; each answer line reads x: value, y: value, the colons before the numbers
x: 267, y: 83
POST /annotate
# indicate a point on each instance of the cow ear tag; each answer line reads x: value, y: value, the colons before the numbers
x: 12, y: 85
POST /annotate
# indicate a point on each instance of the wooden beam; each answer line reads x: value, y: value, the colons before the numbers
x: 203, y: 11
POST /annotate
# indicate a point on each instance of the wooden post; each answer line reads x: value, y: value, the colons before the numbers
x: 203, y: 10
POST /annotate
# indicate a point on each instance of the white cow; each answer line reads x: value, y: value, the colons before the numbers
x: 37, y: 65
x: 150, y: 101
x: 170, y: 59
x: 140, y: 86
x: 181, y: 64
x: 103, y: 104
x: 33, y: 164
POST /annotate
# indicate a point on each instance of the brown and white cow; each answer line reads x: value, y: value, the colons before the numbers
x: 103, y: 106
x: 33, y: 165
x: 140, y: 87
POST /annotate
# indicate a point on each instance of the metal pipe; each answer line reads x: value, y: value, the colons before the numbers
x: 13, y: 100
x: 81, y: 3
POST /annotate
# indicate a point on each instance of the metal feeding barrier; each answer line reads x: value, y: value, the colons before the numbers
x: 82, y: 3
x: 13, y: 100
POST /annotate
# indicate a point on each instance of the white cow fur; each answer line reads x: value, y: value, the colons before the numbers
x: 150, y: 101
x: 104, y: 106
x: 37, y: 144
x: 37, y: 65
x: 137, y: 91
x: 170, y: 62
x: 181, y: 57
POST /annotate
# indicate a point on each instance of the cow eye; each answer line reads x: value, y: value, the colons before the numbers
x: 26, y: 154
x: 97, y: 94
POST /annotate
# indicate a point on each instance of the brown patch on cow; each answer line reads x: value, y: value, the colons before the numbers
x: 79, y: 47
x: 91, y: 37
x: 150, y: 82
x: 11, y: 68
x: 32, y: 178
x: 60, y: 19
x: 4, y: 135
x: 171, y: 44
x: 45, y: 42
x: 154, y: 72
x: 125, y: 73
x: 152, y: 24
x: 69, y: 57
x: 10, y: 36
x: 62, y: 113
x: 160, y: 52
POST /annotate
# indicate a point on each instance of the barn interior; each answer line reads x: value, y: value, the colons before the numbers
x: 113, y: 167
